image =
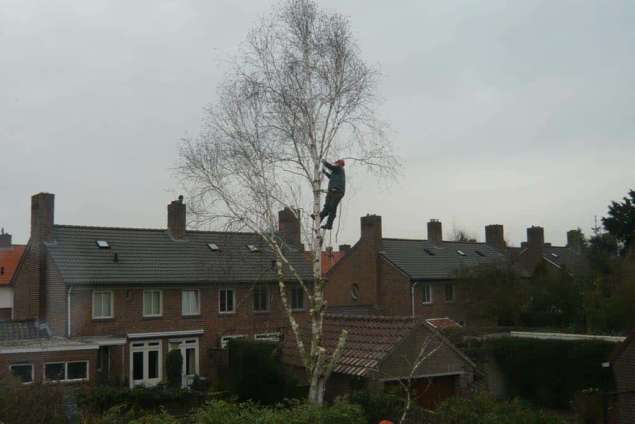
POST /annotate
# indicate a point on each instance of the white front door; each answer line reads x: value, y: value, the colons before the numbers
x: 190, y: 354
x: 145, y: 363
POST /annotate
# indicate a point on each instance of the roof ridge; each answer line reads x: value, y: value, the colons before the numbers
x: 102, y: 227
x: 442, y: 241
x: 369, y: 317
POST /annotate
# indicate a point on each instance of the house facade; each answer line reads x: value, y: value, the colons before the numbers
x: 407, y: 277
x: 10, y: 256
x: 119, y: 299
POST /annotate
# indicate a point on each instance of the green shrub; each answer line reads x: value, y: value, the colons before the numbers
x: 121, y: 415
x: 257, y: 374
x: 549, y: 372
x: 219, y: 411
x: 174, y: 368
x: 33, y: 403
x: 483, y: 409
x: 102, y: 398
x: 379, y: 406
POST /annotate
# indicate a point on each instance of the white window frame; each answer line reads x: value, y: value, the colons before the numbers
x: 445, y: 292
x: 427, y: 286
x: 146, y: 347
x: 66, y: 379
x: 220, y: 293
x: 299, y: 288
x: 198, y: 298
x: 143, y: 306
x: 183, y: 345
x: 23, y: 365
x: 268, y: 302
x: 112, y: 304
x: 224, y: 340
x: 268, y: 337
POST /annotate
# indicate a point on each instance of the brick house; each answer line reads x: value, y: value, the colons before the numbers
x: 380, y: 351
x: 10, y: 256
x: 408, y: 277
x: 121, y: 298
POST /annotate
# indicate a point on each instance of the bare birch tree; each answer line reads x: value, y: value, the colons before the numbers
x: 297, y: 93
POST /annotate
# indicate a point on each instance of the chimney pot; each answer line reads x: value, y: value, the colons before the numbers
x: 5, y: 239
x: 177, y: 219
x: 289, y: 226
x: 495, y: 236
x: 344, y: 247
x: 42, y: 216
x: 435, y: 231
x: 371, y: 228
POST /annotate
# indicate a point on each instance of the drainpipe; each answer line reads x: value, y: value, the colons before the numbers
x: 412, y: 297
x: 68, y: 310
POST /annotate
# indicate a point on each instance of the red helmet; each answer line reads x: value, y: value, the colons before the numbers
x: 340, y: 162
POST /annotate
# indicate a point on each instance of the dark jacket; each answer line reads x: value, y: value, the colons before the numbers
x: 337, y: 177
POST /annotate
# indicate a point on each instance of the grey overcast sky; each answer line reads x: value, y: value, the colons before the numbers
x: 510, y: 112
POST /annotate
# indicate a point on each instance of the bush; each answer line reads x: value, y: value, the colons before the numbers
x: 257, y: 374
x: 379, y: 406
x: 121, y: 415
x: 549, y: 372
x: 219, y: 411
x: 33, y: 403
x: 174, y: 368
x: 482, y: 409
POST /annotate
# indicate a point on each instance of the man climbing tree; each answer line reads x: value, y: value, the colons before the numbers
x: 336, y: 189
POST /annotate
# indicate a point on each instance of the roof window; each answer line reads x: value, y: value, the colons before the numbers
x: 213, y: 247
x: 102, y: 244
x: 428, y: 251
x: 253, y: 248
x: 460, y: 252
x: 555, y: 255
x: 478, y: 252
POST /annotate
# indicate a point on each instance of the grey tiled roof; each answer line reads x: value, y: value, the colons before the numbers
x: 412, y: 258
x: 566, y: 257
x: 20, y: 330
x: 147, y: 256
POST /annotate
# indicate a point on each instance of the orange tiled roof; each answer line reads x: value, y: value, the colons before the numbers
x: 443, y: 323
x: 328, y: 259
x: 9, y: 260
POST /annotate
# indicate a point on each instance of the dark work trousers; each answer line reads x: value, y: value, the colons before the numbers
x: 333, y: 198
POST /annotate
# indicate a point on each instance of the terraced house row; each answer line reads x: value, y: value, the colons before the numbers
x: 109, y: 303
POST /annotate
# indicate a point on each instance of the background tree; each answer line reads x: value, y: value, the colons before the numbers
x: 297, y: 93
x: 620, y: 222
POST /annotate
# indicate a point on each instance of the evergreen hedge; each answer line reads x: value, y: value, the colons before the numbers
x: 549, y: 372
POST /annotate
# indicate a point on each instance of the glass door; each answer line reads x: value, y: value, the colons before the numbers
x: 190, y: 355
x: 145, y: 363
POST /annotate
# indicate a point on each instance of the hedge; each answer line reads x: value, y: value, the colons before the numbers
x: 549, y: 372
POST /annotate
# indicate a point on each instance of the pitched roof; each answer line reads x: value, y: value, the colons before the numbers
x: 425, y: 260
x: 149, y: 256
x: 21, y: 330
x: 370, y: 340
x: 9, y: 260
x: 566, y: 257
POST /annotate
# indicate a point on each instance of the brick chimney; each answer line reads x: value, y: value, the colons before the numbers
x: 344, y: 248
x: 495, y: 236
x: 435, y: 231
x: 5, y: 239
x: 42, y: 216
x: 574, y: 240
x: 176, y: 219
x: 371, y: 228
x: 289, y: 226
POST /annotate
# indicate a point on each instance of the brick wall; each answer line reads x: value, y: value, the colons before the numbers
x: 624, y: 370
x: 39, y: 359
x: 26, y: 298
x: 56, y: 299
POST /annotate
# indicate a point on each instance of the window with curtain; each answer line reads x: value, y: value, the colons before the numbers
x: 102, y: 304
x: 190, y: 302
x: 152, y: 303
x: 261, y: 299
x: 426, y: 293
x: 226, y: 301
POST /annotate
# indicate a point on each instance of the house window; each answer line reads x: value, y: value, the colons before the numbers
x: 297, y: 298
x: 354, y: 292
x: 426, y: 293
x: 103, y: 304
x: 261, y: 299
x: 190, y: 302
x: 449, y: 292
x: 267, y: 337
x: 66, y: 371
x: 224, y: 341
x: 226, y: 304
x: 23, y: 372
x: 152, y: 303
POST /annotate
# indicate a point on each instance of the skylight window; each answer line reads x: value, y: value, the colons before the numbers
x: 428, y: 251
x: 478, y: 252
x: 460, y: 252
x: 103, y: 244
x: 555, y: 255
x: 252, y: 248
x: 213, y: 247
